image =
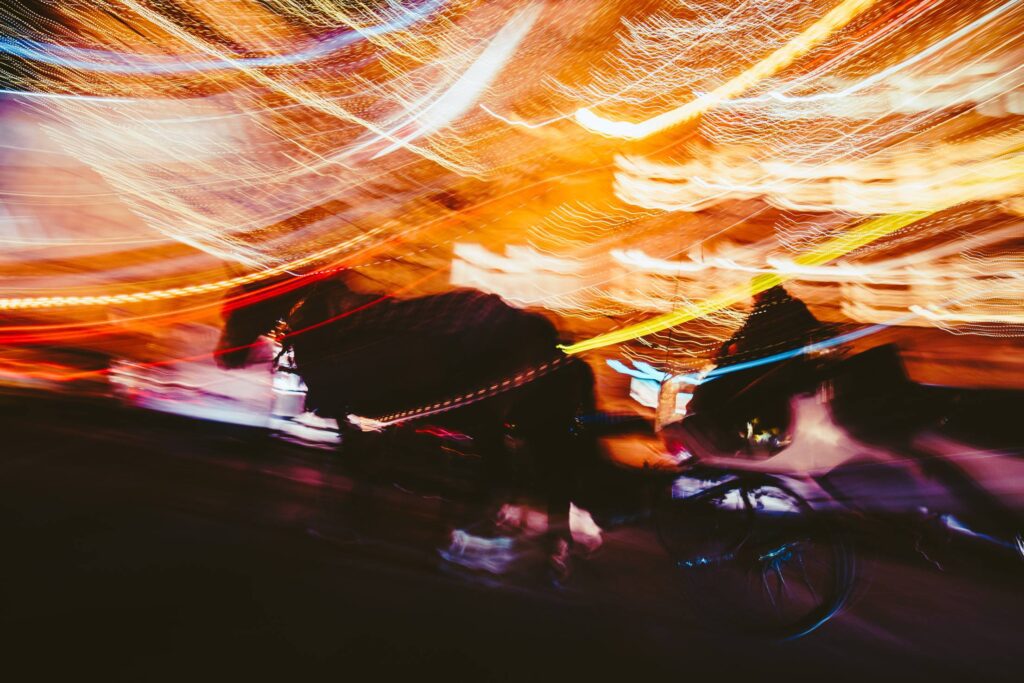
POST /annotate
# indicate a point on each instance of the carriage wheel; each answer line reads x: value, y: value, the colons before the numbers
x: 756, y: 558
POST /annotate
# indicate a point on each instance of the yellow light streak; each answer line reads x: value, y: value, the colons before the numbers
x: 863, y: 234
x: 813, y: 35
x: 41, y: 302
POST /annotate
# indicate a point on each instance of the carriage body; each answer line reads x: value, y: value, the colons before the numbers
x: 862, y: 438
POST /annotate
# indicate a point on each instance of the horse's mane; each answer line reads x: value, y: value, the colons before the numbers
x: 455, y: 311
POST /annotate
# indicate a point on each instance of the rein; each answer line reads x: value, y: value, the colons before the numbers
x: 519, y: 379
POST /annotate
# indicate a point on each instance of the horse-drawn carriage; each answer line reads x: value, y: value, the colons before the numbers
x: 749, y: 516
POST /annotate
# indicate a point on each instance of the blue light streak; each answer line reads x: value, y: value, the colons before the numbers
x: 102, y: 61
x: 647, y: 372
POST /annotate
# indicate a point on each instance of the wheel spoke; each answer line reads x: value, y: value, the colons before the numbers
x: 807, y: 580
x: 767, y: 588
x: 783, y: 589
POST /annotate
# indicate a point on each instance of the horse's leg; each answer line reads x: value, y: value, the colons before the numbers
x: 558, y: 468
x: 491, y: 479
x: 498, y: 471
x: 356, y: 454
x: 551, y: 452
x: 559, y: 448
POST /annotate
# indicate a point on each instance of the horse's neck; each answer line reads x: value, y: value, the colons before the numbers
x: 326, y: 301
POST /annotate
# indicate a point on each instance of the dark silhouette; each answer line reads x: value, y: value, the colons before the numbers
x: 778, y: 323
x: 375, y: 356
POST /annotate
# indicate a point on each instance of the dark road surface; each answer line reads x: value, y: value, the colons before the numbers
x: 142, y: 547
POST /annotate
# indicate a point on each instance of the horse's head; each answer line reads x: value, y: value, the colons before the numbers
x: 250, y: 311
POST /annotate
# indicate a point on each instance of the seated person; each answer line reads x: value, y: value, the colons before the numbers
x: 752, y: 402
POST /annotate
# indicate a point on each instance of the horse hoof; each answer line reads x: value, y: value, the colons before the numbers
x: 492, y: 555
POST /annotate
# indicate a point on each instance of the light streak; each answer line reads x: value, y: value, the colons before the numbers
x: 914, y: 106
x: 28, y: 94
x: 858, y: 236
x: 940, y: 314
x: 460, y: 96
x: 780, y: 95
x: 533, y: 125
x: 648, y: 372
x: 289, y: 140
x: 103, y: 61
x: 834, y: 20
x: 891, y: 181
x: 22, y: 303
x: 640, y: 370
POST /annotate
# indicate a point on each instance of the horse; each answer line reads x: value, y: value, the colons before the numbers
x: 466, y: 360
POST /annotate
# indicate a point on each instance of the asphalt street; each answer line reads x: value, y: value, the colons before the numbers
x: 148, y: 547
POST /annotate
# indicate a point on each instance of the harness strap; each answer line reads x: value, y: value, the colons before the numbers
x: 513, y: 382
